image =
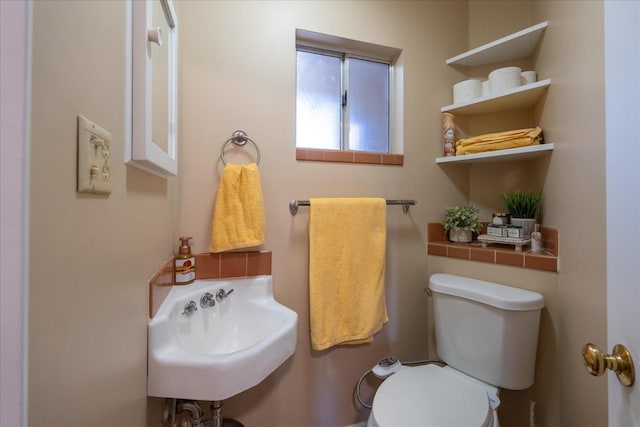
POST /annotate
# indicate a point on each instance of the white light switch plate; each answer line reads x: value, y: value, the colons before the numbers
x: 94, y: 158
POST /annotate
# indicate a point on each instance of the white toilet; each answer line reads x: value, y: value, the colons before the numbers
x: 488, y: 335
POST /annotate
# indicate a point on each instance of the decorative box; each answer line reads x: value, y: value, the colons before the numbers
x: 497, y: 230
x: 515, y: 231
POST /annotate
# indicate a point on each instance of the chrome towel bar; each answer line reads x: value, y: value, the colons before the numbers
x: 294, y: 204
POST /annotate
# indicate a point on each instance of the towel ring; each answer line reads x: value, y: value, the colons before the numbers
x: 239, y: 138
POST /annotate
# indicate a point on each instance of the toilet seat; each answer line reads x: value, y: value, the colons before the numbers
x: 430, y: 396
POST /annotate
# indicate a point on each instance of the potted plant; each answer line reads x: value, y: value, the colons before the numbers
x: 523, y: 207
x: 461, y: 222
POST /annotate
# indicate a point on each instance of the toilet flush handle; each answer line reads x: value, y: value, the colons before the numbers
x: 596, y: 362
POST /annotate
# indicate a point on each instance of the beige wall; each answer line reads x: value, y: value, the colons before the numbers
x: 237, y: 71
x: 572, y: 117
x: 91, y: 255
x: 491, y: 19
x: 572, y: 54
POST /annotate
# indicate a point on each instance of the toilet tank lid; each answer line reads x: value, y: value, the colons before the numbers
x: 500, y: 296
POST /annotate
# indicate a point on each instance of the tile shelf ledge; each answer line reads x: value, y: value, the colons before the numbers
x: 438, y: 245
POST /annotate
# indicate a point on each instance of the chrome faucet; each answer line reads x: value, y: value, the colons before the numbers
x: 207, y: 300
x: 190, y: 308
x: 221, y: 294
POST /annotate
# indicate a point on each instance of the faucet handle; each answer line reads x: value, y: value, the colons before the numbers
x: 190, y: 308
x: 207, y: 300
x: 221, y: 294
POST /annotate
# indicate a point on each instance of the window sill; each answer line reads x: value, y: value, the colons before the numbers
x: 438, y: 245
x: 340, y: 156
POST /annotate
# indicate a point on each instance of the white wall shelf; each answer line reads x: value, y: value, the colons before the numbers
x: 521, y: 97
x: 521, y: 44
x: 510, y: 154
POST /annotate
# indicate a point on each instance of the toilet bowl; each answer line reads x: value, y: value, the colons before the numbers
x: 434, y: 396
x: 487, y: 334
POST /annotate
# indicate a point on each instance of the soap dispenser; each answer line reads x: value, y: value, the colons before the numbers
x: 185, y: 263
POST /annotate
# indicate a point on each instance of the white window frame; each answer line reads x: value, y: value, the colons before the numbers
x: 345, y: 48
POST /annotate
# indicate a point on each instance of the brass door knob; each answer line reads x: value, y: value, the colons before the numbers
x: 596, y: 362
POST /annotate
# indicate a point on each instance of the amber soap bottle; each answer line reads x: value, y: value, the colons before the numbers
x: 185, y: 263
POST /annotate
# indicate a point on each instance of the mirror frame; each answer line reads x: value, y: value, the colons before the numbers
x: 140, y: 150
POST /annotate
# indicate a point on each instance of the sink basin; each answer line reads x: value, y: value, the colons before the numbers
x: 216, y: 352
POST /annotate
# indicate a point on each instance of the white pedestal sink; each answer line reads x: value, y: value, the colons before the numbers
x: 216, y: 352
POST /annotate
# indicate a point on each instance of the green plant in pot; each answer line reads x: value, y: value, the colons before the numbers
x: 461, y: 222
x: 523, y: 207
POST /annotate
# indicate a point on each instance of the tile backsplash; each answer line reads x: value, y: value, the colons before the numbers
x: 209, y: 266
x: 494, y: 254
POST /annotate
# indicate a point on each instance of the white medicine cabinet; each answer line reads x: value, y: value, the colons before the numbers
x: 521, y: 44
x: 151, y: 114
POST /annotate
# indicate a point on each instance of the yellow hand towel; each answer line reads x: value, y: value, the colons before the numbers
x: 499, y: 141
x: 347, y: 242
x: 238, y: 216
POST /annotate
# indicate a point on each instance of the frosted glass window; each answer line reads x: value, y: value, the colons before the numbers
x: 368, y: 102
x: 318, y: 100
x: 342, y: 102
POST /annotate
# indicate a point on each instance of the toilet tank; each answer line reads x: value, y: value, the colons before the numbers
x: 486, y: 330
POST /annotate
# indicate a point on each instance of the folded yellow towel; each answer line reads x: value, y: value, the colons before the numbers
x: 347, y: 242
x: 499, y: 141
x: 238, y: 216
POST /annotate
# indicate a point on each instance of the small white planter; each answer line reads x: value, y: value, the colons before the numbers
x: 460, y: 235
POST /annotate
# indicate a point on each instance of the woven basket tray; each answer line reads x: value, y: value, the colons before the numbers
x: 485, y: 239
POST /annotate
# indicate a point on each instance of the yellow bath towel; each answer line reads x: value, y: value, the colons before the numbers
x: 238, y: 216
x: 499, y: 141
x: 347, y: 242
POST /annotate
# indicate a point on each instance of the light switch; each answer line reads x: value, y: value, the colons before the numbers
x: 94, y: 158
